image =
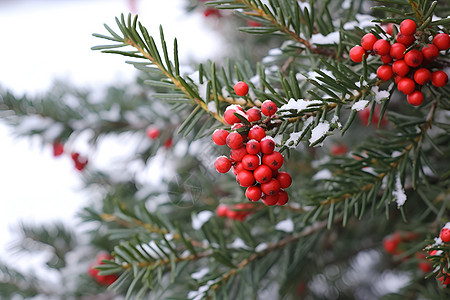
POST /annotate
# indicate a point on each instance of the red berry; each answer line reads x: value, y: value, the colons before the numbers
x: 386, y: 59
x: 245, y: 178
x: 368, y: 40
x: 381, y: 47
x: 250, y: 162
x: 213, y: 12
x: 252, y: 23
x: 389, y: 28
x: 408, y: 27
x: 422, y: 75
x: 284, y: 179
x: 221, y: 210
x: 229, y: 116
x: 430, y: 52
x: 413, y: 58
x: 356, y: 54
x: 254, y: 114
x: 220, y: 137
x: 237, y: 167
x: 397, y: 51
x: 222, y: 164
x: 101, y: 279
x: 442, y: 41
x: 445, y: 235
x: 234, y: 140
x: 339, y: 149
x: 271, y: 187
x: 425, y: 266
x: 384, y: 72
x: 282, y: 198
x: 256, y: 133
x: 445, y: 278
x: 238, y: 154
x: 439, y: 78
x: 270, y: 200
x: 398, y: 78
x: 400, y: 68
x: 273, y: 160
x: 253, y: 193
x: 269, y: 108
x: 241, y: 88
x: 152, y: 132
x: 415, y: 98
x: 267, y: 145
x: 406, y: 86
x: 263, y: 174
x: 391, y: 243
x: 406, y: 40
x: 58, y: 149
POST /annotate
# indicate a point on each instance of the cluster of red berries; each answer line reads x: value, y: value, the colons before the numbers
x: 409, y: 64
x: 79, y: 161
x: 94, y: 273
x: 153, y: 133
x: 253, y: 157
x: 236, y: 211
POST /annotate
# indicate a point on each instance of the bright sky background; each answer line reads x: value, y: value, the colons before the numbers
x: 43, y: 40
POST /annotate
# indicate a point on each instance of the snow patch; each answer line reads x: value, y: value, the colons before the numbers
x: 319, y: 132
x: 200, y: 274
x: 200, y: 219
x: 212, y: 107
x: 294, y: 137
x: 261, y: 247
x: 323, y: 174
x: 286, y: 225
x: 299, y: 104
x: 238, y: 243
x: 399, y: 193
x: 380, y: 95
x: 360, y: 105
x: 320, y: 39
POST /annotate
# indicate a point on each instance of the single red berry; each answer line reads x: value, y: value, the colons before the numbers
x: 368, y: 40
x: 384, y: 72
x: 220, y: 137
x: 245, y: 178
x: 273, y: 160
x: 271, y: 187
x: 229, y: 116
x: 270, y: 200
x: 168, y: 143
x: 256, y: 133
x: 267, y: 145
x: 445, y: 235
x: 389, y: 28
x: 391, y: 243
x: 284, y: 179
x: 400, y: 68
x: 408, y: 27
x: 381, y: 47
x: 422, y: 75
x: 152, y: 132
x: 79, y: 161
x: 397, y: 79
x: 233, y: 215
x: 282, y: 198
x: 442, y: 41
x: 439, y: 78
x: 236, y: 126
x: 430, y: 52
x: 339, y: 149
x: 238, y: 154
x: 250, y: 162
x: 425, y: 266
x: 254, y: 114
x: 386, y: 59
x: 241, y: 88
x: 406, y: 40
x: 221, y: 210
x: 234, y: 140
x: 413, y: 58
x: 356, y: 54
x: 253, y: 147
x: 253, y: 193
x: 252, y: 23
x: 212, y: 12
x: 269, y: 108
x: 237, y: 167
x: 415, y: 98
x: 397, y: 51
x: 406, y: 86
x: 58, y: 149
x: 222, y: 164
x: 263, y: 174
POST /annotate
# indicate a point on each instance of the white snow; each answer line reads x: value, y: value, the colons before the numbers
x: 261, y: 247
x: 212, y: 107
x: 295, y: 136
x: 360, y: 105
x: 275, y: 51
x: 201, y: 218
x: 323, y: 174
x: 285, y: 225
x: 399, y: 193
x: 298, y: 105
x: 238, y: 243
x: 200, y: 274
x: 319, y: 132
x: 362, y: 21
x: 380, y: 95
x: 320, y: 39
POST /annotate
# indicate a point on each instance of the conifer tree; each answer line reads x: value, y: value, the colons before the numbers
x: 311, y: 164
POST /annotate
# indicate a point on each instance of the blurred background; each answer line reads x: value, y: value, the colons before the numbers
x: 44, y: 41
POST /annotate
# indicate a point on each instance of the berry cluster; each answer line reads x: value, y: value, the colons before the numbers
x: 94, y: 273
x: 235, y: 212
x: 153, y: 133
x: 80, y: 162
x: 407, y: 59
x: 444, y: 237
x: 253, y: 157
